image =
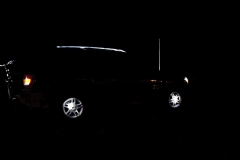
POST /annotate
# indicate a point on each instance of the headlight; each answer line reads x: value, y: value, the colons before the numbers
x: 27, y: 81
x: 186, y: 80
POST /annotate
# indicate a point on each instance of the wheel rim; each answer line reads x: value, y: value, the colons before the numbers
x: 72, y: 108
x: 175, y: 99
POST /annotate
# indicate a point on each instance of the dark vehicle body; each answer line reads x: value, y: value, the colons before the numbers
x: 108, y: 82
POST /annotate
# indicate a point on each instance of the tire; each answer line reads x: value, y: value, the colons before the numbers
x: 62, y: 103
x: 87, y: 123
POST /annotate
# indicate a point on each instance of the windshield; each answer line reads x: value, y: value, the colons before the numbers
x: 74, y: 60
x: 89, y: 59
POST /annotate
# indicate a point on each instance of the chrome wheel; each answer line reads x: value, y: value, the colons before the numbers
x: 72, y: 108
x: 175, y: 99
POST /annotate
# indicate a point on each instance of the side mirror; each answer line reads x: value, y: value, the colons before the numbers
x: 11, y: 62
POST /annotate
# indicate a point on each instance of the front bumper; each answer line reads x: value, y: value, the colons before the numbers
x: 31, y: 98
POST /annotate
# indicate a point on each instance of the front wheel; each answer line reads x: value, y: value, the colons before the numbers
x: 67, y: 106
x: 72, y: 107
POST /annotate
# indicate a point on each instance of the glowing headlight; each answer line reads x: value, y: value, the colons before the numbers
x: 26, y: 81
x: 186, y: 80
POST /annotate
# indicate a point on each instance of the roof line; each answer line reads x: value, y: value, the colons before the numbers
x: 90, y: 47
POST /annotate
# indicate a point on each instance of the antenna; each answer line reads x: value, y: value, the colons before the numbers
x: 159, y: 56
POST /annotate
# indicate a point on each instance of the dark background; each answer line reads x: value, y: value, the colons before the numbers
x: 192, y: 35
x: 196, y: 37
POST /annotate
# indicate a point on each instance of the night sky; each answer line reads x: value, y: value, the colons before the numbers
x: 188, y: 32
x: 199, y: 38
